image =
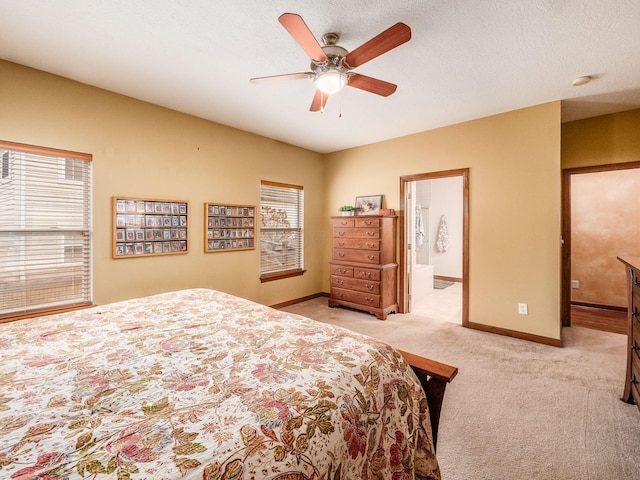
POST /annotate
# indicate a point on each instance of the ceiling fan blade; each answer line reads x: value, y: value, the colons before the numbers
x: 301, y: 34
x: 286, y: 76
x: 373, y: 85
x: 319, y: 101
x: 389, y: 39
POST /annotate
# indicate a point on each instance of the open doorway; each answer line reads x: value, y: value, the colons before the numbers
x: 599, y: 225
x: 432, y: 204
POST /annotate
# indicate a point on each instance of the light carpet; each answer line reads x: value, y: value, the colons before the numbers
x: 518, y: 409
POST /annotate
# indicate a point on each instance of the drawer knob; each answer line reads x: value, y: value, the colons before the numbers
x: 370, y: 257
x: 635, y: 348
x: 367, y: 222
x: 371, y: 245
x: 370, y: 287
x: 635, y: 314
x: 340, y: 254
x: 371, y: 234
x: 341, y: 295
x: 366, y: 274
x: 343, y: 222
x: 339, y: 282
x: 342, y: 271
x: 342, y: 234
x: 341, y: 244
x: 369, y: 299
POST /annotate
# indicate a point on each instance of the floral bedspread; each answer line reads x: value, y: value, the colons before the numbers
x: 200, y: 384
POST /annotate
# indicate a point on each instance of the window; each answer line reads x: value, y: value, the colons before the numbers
x: 45, y: 237
x: 4, y: 166
x: 73, y: 169
x: 281, y: 231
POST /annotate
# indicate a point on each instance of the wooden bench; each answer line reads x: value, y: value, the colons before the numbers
x: 433, y: 377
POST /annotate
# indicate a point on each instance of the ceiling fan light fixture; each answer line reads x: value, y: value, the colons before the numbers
x: 331, y: 81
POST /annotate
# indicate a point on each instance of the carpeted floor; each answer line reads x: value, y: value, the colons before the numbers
x: 517, y: 409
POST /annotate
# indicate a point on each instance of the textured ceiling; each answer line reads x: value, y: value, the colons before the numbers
x: 467, y: 59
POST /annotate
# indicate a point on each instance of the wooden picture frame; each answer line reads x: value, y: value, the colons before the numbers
x: 145, y: 227
x: 368, y: 205
x: 229, y: 227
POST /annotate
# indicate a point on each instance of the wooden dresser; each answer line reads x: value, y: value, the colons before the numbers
x: 363, y: 264
x: 632, y: 379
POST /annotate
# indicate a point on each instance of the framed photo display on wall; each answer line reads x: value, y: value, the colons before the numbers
x: 143, y: 227
x: 229, y: 227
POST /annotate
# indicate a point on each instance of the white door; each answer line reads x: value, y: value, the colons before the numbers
x: 410, y: 208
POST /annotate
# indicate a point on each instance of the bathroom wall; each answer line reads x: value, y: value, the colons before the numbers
x: 438, y: 197
x: 446, y: 201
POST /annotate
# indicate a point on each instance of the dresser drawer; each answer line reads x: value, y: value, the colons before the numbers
x: 360, y: 256
x: 372, y: 233
x: 635, y: 379
x: 356, y: 243
x: 635, y: 278
x: 635, y: 339
x: 635, y: 302
x: 367, y: 222
x: 342, y: 270
x: 343, y: 222
x: 366, y: 286
x: 360, y: 298
x: 366, y: 273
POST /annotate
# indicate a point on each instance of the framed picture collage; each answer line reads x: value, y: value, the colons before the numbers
x: 149, y: 227
x: 229, y: 227
x: 144, y: 227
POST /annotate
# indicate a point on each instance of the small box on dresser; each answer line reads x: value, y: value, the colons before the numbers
x: 632, y: 379
x: 363, y: 264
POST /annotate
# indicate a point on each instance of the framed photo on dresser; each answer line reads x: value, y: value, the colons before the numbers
x: 368, y: 205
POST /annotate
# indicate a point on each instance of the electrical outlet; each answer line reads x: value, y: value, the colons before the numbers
x: 575, y: 283
x: 522, y: 309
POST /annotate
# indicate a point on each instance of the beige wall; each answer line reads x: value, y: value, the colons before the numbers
x: 142, y: 150
x: 514, y: 162
x: 601, y: 140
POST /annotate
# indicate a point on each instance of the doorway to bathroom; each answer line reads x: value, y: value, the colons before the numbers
x: 434, y: 259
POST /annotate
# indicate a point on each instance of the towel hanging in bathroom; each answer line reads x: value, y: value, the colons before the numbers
x: 419, y: 226
x: 443, y: 236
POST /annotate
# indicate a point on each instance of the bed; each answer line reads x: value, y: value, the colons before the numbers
x: 201, y: 384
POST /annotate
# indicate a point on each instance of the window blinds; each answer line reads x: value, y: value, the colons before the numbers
x: 45, y: 230
x: 281, y: 228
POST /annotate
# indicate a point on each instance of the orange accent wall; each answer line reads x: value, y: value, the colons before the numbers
x: 604, y: 225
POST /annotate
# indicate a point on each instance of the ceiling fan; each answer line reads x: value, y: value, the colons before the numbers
x: 331, y: 64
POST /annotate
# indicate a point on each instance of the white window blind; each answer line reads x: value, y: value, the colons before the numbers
x: 45, y: 230
x: 281, y: 228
